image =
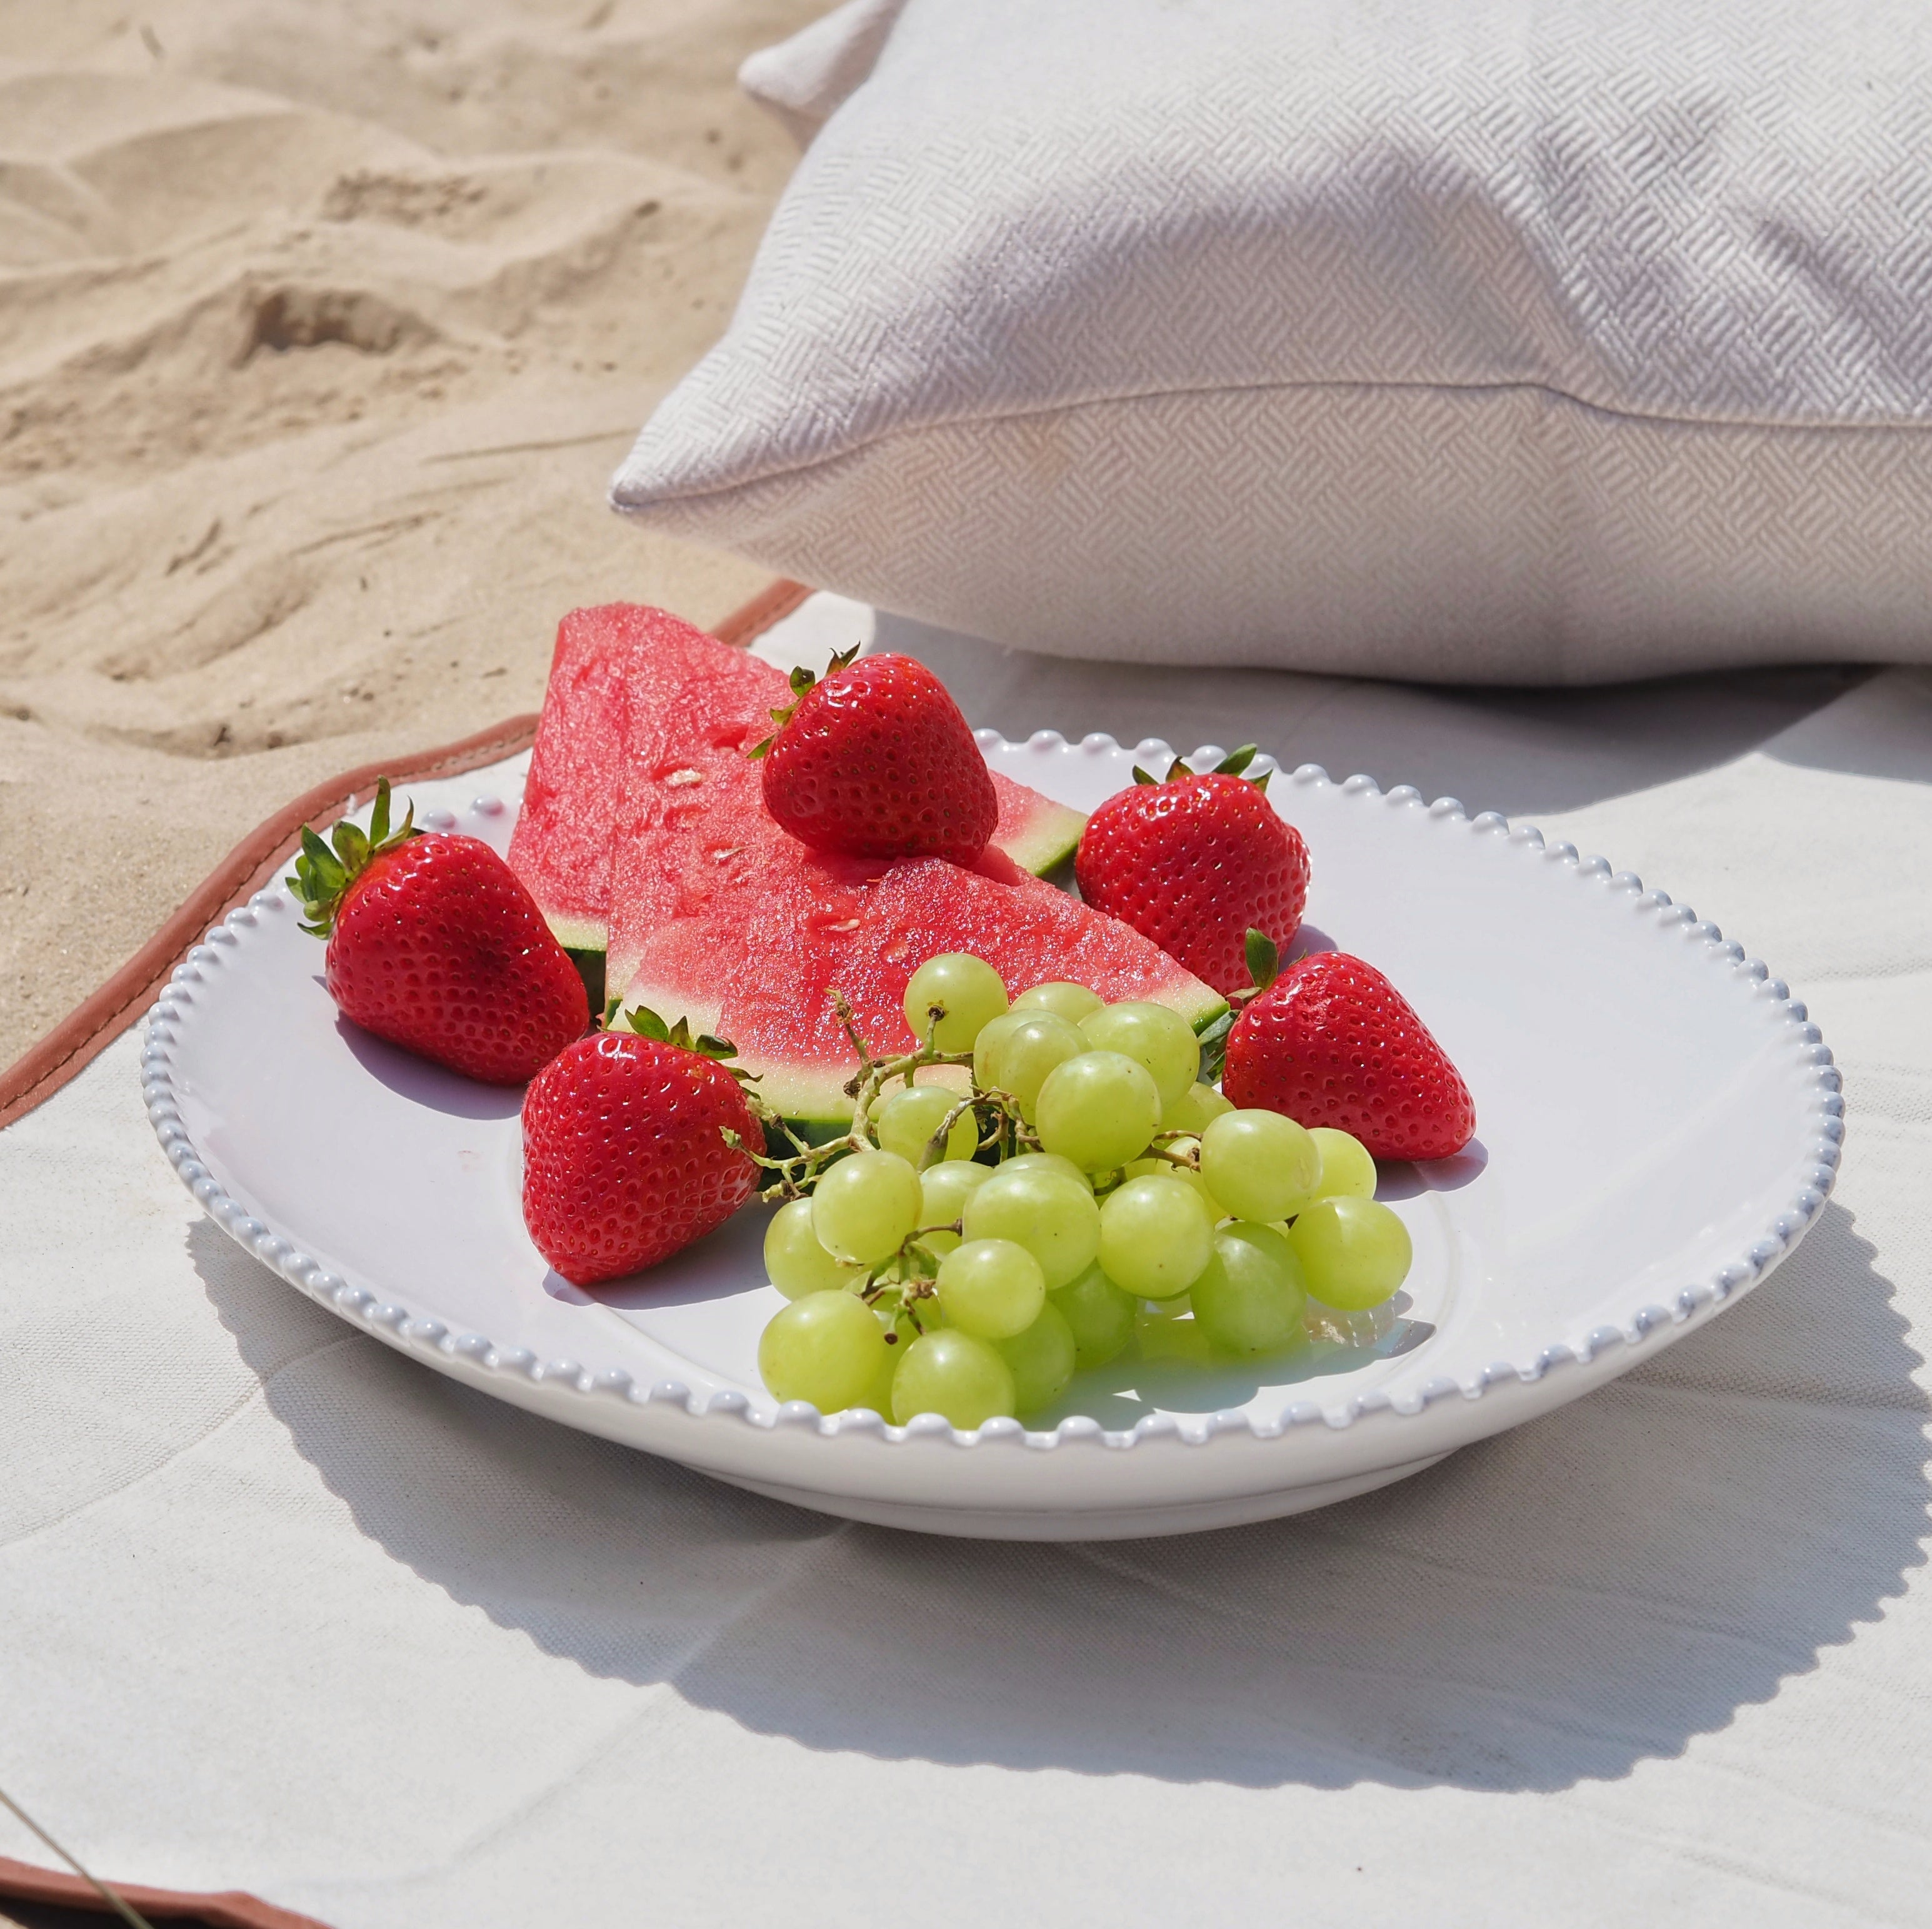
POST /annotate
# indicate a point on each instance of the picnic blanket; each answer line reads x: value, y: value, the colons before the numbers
x: 282, y: 1613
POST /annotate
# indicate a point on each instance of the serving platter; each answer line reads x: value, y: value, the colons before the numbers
x: 1659, y: 1122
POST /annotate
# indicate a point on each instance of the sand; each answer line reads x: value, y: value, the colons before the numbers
x: 322, y: 324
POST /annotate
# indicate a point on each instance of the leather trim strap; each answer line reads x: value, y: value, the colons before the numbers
x: 88, y: 1030
x: 21, y: 1881
x: 747, y: 623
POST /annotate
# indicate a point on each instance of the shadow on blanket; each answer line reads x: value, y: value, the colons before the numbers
x: 1521, y: 752
x: 1556, y: 1605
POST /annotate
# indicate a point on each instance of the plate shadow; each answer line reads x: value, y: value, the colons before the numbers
x: 1558, y: 1604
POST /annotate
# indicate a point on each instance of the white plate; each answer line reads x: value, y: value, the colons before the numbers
x: 1658, y: 1123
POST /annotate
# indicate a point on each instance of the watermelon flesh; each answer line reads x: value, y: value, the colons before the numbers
x: 761, y: 939
x: 718, y: 916
x: 634, y: 689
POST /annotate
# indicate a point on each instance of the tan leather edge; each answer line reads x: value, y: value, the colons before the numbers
x: 233, y: 1909
x: 88, y: 1030
x: 748, y: 622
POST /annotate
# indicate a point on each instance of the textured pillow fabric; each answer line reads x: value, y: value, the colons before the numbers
x: 802, y: 80
x: 1495, y: 340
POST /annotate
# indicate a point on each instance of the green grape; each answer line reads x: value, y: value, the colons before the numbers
x: 1026, y: 1052
x: 992, y: 1287
x: 1153, y: 1036
x: 1353, y: 1252
x: 1182, y: 1337
x: 943, y: 1194
x: 944, y: 1189
x: 1041, y: 1359
x: 1155, y: 1237
x: 990, y: 1035
x: 1100, y: 1315
x: 1099, y: 1109
x: 954, y: 1375
x: 1258, y: 1164
x: 864, y: 1205
x: 1348, y: 1172
x: 1046, y: 1162
x: 1070, y: 1002
x: 795, y: 1262
x: 1249, y: 1298
x: 878, y: 1396
x: 1052, y: 1216
x: 1192, y: 1110
x: 825, y: 1348
x: 906, y: 1121
x: 967, y: 992
x: 1189, y: 1175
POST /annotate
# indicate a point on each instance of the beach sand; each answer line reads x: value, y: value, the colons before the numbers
x: 322, y: 325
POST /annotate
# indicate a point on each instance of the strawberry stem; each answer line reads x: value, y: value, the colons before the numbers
x: 323, y: 876
x: 801, y: 680
x: 1233, y: 765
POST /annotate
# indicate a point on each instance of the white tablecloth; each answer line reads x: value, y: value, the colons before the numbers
x: 282, y: 1611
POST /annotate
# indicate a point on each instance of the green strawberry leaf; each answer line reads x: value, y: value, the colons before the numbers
x: 351, y: 846
x: 1235, y: 762
x: 645, y: 1023
x: 1214, y: 1046
x: 322, y: 877
x: 800, y: 681
x: 1263, y: 956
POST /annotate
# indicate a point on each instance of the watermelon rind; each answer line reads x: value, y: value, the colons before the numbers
x: 1046, y: 838
x: 814, y: 1102
x: 753, y: 950
x: 812, y: 1098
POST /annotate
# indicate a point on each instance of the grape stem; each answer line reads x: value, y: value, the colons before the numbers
x: 1188, y: 1161
x: 935, y: 1146
x: 799, y: 1171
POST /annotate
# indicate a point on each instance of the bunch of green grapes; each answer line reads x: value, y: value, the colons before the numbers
x: 928, y: 1274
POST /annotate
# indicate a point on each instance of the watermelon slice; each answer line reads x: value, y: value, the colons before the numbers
x: 749, y: 937
x: 632, y: 687
x: 718, y: 916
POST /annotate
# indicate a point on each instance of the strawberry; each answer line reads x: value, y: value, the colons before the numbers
x: 874, y: 760
x: 435, y: 944
x: 1195, y: 864
x: 1331, y: 1042
x: 627, y: 1149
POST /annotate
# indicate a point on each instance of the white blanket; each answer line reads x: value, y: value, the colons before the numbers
x: 282, y: 1611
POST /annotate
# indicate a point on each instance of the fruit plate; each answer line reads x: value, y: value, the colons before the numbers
x: 1658, y: 1123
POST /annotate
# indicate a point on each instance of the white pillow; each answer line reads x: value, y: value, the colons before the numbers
x: 1449, y: 338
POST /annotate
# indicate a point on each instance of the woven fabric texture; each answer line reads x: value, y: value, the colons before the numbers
x: 1562, y: 341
